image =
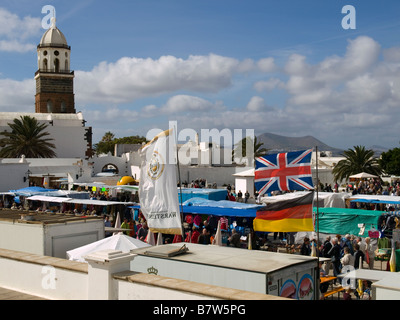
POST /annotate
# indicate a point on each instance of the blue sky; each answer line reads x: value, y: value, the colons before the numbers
x: 285, y: 67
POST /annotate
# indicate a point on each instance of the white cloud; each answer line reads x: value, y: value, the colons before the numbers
x: 17, y: 95
x: 269, y: 85
x: 267, y: 64
x: 15, y: 32
x: 185, y: 104
x: 131, y: 78
x: 113, y: 115
x: 257, y: 103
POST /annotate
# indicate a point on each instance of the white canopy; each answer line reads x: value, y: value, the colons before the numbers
x: 363, y: 175
x: 79, y: 201
x: 330, y: 199
x: 119, y: 241
x: 49, y: 199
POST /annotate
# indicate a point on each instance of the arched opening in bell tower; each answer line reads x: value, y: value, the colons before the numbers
x: 56, y: 65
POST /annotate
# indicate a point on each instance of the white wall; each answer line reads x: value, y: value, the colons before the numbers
x: 12, y: 176
x: 122, y: 163
x: 59, y: 279
x: 43, y: 280
x: 52, y: 239
x: 66, y: 129
x: 245, y: 184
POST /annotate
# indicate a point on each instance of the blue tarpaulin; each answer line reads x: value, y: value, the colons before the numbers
x: 210, y: 194
x: 218, y: 208
x: 33, y: 191
x: 376, y: 201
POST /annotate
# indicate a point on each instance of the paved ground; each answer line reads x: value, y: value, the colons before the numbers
x: 6, y: 294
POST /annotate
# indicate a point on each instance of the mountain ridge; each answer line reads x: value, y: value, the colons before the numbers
x: 278, y: 143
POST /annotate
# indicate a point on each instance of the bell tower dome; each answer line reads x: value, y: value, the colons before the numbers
x: 54, y: 79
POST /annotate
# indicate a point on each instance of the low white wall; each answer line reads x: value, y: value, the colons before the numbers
x: 42, y: 277
x: 60, y: 279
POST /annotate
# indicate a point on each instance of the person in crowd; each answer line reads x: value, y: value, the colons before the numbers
x: 246, y: 196
x: 107, y: 223
x: 142, y: 233
x: 334, y: 254
x: 125, y: 225
x: 348, y: 243
x: 358, y: 257
x: 305, y: 247
x: 369, y: 253
x: 234, y: 239
x: 240, y: 196
x: 195, y: 235
x: 347, y: 259
x: 325, y: 249
x: 204, y: 238
x: 133, y: 228
x: 323, y: 287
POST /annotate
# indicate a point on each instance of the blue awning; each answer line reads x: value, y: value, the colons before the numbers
x: 217, y: 208
x: 376, y: 201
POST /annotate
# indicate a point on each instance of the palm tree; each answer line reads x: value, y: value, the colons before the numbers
x: 356, y: 160
x: 28, y: 138
x: 108, y: 137
x: 240, y: 150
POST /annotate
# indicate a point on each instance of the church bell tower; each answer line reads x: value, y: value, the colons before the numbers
x: 54, y: 79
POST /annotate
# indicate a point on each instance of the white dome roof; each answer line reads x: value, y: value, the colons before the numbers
x: 53, y: 37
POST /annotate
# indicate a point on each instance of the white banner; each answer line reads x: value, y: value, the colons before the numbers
x: 158, y: 194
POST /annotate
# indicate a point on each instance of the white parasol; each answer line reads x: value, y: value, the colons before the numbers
x: 362, y: 175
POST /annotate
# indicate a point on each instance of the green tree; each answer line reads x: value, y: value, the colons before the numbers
x: 356, y: 160
x: 106, y: 144
x: 109, y: 141
x: 390, y: 162
x: 108, y: 136
x: 27, y: 137
x: 240, y: 148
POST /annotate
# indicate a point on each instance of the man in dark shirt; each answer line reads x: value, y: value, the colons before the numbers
x: 358, y: 256
x: 234, y: 239
x: 334, y: 254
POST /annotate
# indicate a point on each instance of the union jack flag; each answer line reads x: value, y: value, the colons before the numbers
x: 284, y: 172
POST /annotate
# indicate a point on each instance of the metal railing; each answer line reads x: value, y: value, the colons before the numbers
x: 54, y: 71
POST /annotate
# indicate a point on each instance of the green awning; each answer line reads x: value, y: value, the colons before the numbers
x: 345, y: 221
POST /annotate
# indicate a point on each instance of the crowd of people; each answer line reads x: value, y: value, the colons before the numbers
x: 374, y: 186
x: 196, y: 229
x: 344, y: 253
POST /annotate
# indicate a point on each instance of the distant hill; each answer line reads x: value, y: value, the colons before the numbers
x: 277, y: 143
x: 378, y: 150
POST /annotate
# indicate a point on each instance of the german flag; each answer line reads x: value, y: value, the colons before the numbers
x: 288, y: 215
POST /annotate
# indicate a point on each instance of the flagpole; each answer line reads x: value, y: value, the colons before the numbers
x: 316, y: 167
x: 180, y: 182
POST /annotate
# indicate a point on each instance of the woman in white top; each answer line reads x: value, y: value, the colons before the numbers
x: 368, y: 250
x: 347, y: 258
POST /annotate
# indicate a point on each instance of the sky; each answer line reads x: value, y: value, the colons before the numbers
x: 291, y: 68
